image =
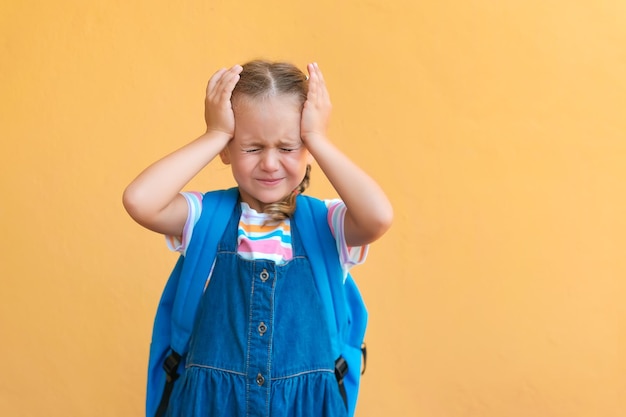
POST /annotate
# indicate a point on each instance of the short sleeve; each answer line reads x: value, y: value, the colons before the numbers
x: 194, y: 204
x: 348, y: 256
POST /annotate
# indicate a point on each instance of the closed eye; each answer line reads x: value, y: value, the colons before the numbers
x: 290, y: 146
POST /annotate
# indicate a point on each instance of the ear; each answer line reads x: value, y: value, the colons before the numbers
x: 225, y: 156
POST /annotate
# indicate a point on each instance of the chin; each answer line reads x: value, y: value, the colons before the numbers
x: 258, y: 201
x: 269, y: 198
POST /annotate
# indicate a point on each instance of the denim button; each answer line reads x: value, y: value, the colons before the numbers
x: 260, y: 380
x: 262, y: 328
x: 264, y: 275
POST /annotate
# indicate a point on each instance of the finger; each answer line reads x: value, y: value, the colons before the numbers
x: 317, y: 85
x: 228, y: 76
x: 214, y: 80
x: 322, y: 83
x: 318, y: 71
x: 233, y: 78
x: 226, y: 83
x: 313, y: 80
x: 313, y: 72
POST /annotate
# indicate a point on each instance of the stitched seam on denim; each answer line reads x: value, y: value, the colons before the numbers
x: 312, y: 371
x: 228, y: 252
x: 271, y: 338
x: 228, y: 371
x: 248, y: 382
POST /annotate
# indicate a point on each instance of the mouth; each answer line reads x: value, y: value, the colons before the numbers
x: 269, y: 182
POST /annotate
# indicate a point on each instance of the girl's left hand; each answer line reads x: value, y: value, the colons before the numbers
x: 317, y: 107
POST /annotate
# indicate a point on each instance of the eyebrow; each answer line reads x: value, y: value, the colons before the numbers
x: 281, y: 144
x: 290, y: 142
x: 249, y: 144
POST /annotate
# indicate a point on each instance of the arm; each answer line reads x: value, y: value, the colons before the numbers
x: 369, y: 212
x: 153, y: 198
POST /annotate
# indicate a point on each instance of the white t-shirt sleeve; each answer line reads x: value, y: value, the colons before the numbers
x: 348, y: 256
x: 194, y: 204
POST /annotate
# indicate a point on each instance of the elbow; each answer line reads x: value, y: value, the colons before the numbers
x: 131, y: 200
x: 377, y: 224
x: 383, y: 222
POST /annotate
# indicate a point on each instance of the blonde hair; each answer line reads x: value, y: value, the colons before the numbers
x: 260, y: 79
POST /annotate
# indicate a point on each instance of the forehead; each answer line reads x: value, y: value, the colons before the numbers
x: 267, y: 118
x: 243, y: 103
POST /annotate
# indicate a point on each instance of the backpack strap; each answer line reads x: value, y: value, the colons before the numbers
x: 177, y: 309
x: 217, y: 207
x: 311, y: 218
x: 346, y: 308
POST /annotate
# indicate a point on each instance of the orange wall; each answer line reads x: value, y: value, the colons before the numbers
x: 497, y: 128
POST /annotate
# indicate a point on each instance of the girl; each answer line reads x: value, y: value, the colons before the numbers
x: 267, y: 120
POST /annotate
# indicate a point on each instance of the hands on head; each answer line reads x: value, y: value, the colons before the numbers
x: 220, y: 118
x: 218, y: 109
x: 317, y: 107
x: 153, y: 198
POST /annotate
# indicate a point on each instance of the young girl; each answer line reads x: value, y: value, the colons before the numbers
x: 267, y: 120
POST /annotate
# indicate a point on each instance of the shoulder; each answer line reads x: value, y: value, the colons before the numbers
x: 331, y: 209
x: 329, y: 204
x: 224, y: 194
x: 212, y: 200
x: 334, y: 205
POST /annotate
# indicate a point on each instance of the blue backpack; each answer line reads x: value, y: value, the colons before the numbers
x: 177, y: 309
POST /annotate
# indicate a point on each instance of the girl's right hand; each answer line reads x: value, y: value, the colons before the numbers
x: 218, y: 109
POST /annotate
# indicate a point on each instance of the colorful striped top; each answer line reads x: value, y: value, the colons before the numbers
x: 270, y: 241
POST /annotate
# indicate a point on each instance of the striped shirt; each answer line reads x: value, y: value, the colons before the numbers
x: 272, y: 241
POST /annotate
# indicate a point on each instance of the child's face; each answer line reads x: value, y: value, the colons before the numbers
x: 267, y: 155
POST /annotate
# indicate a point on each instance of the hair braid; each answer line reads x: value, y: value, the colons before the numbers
x: 284, y: 208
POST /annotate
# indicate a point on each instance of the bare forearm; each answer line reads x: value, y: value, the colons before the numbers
x: 153, y: 198
x: 369, y: 212
x: 157, y: 187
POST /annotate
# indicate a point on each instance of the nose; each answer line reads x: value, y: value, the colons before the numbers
x: 270, y: 160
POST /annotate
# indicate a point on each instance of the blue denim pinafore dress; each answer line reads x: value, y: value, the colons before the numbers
x: 260, y: 344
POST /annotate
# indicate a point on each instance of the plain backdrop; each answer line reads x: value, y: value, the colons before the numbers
x: 498, y: 129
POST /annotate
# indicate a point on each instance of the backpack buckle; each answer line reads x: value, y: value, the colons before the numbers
x: 364, y: 357
x: 341, y: 368
x: 171, y: 366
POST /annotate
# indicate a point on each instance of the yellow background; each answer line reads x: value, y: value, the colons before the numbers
x: 498, y: 129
